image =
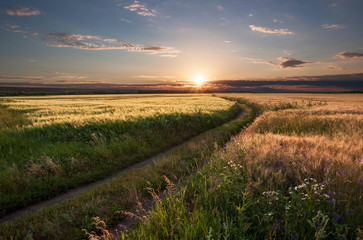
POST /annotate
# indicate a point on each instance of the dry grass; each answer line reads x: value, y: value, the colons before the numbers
x: 293, y: 174
x: 348, y: 103
x: 85, y: 108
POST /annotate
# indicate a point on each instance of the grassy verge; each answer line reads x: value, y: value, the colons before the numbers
x: 66, y: 220
x: 302, y: 183
x: 40, y: 162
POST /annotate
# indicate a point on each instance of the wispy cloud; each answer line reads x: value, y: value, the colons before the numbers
x: 125, y: 20
x: 224, y: 21
x: 154, y: 77
x: 92, y: 42
x: 284, y: 62
x: 140, y: 9
x: 34, y: 78
x: 22, y: 11
x: 277, y: 20
x: 254, y: 60
x: 350, y: 55
x: 52, y: 72
x: 335, y: 67
x: 281, y: 31
x: 333, y: 26
x: 220, y: 8
x: 18, y: 29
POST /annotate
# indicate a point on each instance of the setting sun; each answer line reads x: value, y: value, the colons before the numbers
x: 199, y: 80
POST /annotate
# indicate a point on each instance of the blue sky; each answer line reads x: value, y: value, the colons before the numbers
x: 46, y: 42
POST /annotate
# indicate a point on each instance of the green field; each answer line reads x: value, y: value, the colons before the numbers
x: 41, y: 161
x: 296, y: 172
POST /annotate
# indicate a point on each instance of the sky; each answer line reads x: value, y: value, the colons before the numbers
x: 231, y: 44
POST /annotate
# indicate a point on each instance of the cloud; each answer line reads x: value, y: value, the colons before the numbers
x: 225, y: 21
x: 169, y: 55
x: 22, y: 11
x: 287, y: 62
x: 284, y: 62
x: 140, y: 9
x: 125, y: 20
x: 153, y: 77
x: 251, y: 15
x: 92, y: 42
x: 281, y: 31
x: 254, y: 60
x: 36, y: 78
x: 290, y: 62
x: 52, y: 72
x: 334, y: 67
x: 277, y: 21
x: 227, y: 41
x: 18, y: 29
x: 332, y: 26
x: 220, y: 8
x: 342, y: 82
x: 350, y: 55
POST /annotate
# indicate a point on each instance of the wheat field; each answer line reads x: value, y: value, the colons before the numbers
x: 79, y: 109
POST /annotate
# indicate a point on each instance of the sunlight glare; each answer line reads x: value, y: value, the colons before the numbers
x: 199, y: 80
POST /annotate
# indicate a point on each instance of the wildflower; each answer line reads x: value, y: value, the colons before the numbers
x: 343, y: 171
x: 337, y: 217
x: 351, y: 212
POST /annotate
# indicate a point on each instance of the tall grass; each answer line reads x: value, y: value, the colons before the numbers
x: 108, y: 201
x: 40, y: 162
x: 82, y: 109
x: 304, y: 181
x: 10, y: 118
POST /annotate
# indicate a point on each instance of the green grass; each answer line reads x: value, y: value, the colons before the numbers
x: 10, y: 118
x: 66, y: 220
x: 267, y: 186
x: 40, y: 162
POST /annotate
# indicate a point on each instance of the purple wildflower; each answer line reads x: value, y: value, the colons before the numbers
x: 337, y: 217
x: 351, y: 212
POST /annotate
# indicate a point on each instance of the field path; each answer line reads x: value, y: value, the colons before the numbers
x: 73, y: 192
